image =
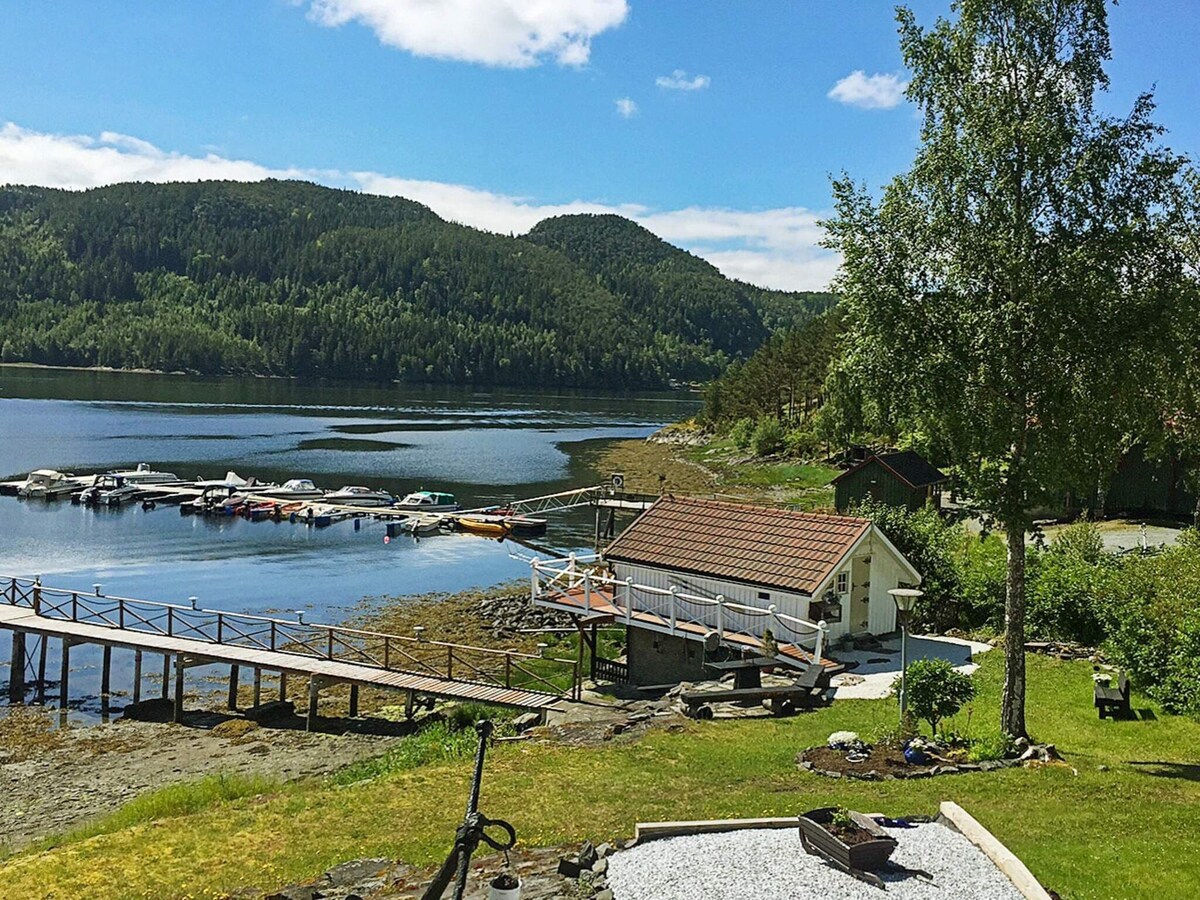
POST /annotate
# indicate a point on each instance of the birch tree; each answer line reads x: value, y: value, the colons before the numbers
x: 1007, y: 296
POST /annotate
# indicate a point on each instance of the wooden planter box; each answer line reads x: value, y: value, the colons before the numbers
x: 866, y: 856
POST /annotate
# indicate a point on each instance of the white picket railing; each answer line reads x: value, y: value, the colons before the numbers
x: 574, y: 580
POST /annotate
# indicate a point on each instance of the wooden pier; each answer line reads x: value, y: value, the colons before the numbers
x: 185, y: 636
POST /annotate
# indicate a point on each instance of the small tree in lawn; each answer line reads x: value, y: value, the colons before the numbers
x: 1010, y: 297
x: 936, y: 690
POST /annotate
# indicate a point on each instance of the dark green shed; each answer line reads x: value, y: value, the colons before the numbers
x: 1151, y: 485
x: 903, y: 479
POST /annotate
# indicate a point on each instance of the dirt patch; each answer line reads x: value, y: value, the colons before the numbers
x: 84, y: 773
x: 885, y: 762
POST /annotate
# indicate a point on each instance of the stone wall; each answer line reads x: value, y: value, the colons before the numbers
x: 663, y: 659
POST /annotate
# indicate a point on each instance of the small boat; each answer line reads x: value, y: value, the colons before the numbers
x: 257, y: 510
x: 320, y: 515
x: 114, y: 488
x: 420, y: 526
x: 287, y: 510
x: 428, y: 501
x: 485, y: 526
x: 524, y: 526
x: 357, y: 495
x: 213, y: 494
x: 296, y: 489
x: 47, y: 484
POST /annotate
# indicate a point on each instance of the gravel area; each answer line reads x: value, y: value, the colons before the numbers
x: 770, y: 864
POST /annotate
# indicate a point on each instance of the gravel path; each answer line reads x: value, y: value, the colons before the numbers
x: 771, y: 865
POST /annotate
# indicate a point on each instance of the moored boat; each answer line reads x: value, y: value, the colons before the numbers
x: 428, y: 501
x: 296, y: 489
x: 484, y: 526
x: 47, y: 484
x: 357, y: 495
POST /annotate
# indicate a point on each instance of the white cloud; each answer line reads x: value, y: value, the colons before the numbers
x: 508, y: 33
x: 626, y: 108
x: 679, y: 81
x: 776, y: 248
x: 869, y: 91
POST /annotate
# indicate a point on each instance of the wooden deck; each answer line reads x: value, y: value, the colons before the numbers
x: 600, y: 602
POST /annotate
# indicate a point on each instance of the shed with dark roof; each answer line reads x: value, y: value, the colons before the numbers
x: 904, y: 478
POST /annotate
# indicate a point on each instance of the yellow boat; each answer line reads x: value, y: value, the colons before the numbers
x: 489, y: 526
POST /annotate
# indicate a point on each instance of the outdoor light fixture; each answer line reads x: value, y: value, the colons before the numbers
x: 905, y: 599
x: 96, y: 588
x: 418, y: 629
x: 299, y: 616
x: 193, y: 601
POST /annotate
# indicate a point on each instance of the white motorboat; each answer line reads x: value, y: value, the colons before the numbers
x: 114, y: 488
x: 357, y: 495
x: 296, y: 489
x: 428, y: 501
x: 47, y: 484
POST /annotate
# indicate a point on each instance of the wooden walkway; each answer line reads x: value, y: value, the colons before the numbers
x: 324, y: 654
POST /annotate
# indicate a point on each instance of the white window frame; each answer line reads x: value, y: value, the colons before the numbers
x: 843, y: 584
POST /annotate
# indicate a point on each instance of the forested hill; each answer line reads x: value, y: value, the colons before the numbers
x: 284, y: 277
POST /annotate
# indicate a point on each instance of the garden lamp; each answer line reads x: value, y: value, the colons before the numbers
x: 905, y: 599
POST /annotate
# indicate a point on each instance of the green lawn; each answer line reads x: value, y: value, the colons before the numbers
x: 1127, y: 830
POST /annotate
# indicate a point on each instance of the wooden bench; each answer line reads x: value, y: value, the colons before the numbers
x: 809, y: 690
x: 1113, y: 702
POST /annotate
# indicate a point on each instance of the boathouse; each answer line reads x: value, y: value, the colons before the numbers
x: 693, y: 579
x: 903, y: 479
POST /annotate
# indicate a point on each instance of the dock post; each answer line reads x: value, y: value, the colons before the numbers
x: 64, y: 674
x: 354, y: 701
x: 282, y: 687
x: 410, y: 698
x: 16, y: 677
x: 314, y: 691
x: 105, y: 674
x: 257, y: 685
x: 137, y: 676
x: 166, y: 682
x: 233, y: 687
x: 179, y: 670
x: 41, y: 691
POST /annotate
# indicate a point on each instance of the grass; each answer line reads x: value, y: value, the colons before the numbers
x: 1117, y: 821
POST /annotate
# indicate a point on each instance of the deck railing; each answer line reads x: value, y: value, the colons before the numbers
x: 576, y: 581
x: 336, y: 643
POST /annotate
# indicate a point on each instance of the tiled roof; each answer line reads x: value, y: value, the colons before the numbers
x: 776, y: 548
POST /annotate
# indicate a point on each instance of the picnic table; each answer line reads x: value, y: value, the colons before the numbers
x: 809, y: 690
x: 747, y: 671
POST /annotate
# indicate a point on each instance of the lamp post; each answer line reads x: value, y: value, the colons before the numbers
x: 905, y: 599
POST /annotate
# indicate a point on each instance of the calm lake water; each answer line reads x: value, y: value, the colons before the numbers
x: 483, y: 447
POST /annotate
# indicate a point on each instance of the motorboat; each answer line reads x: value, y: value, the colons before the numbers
x: 296, y: 489
x: 428, y: 501
x: 110, y: 489
x: 357, y: 495
x: 47, y: 484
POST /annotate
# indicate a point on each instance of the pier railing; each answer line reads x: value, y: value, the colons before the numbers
x: 575, y: 582
x: 336, y: 643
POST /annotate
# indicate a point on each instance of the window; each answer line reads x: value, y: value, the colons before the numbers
x: 843, y: 582
x: 763, y: 595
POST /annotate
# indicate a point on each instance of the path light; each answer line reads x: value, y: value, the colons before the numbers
x: 542, y: 648
x: 905, y: 599
x: 193, y: 601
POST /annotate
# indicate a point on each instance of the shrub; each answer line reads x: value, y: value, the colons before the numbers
x: 1064, y: 586
x: 767, y: 437
x: 992, y: 746
x: 801, y: 443
x: 1150, y: 607
x: 935, y: 690
x: 741, y: 432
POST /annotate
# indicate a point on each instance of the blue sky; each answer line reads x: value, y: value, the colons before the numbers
x: 716, y: 123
